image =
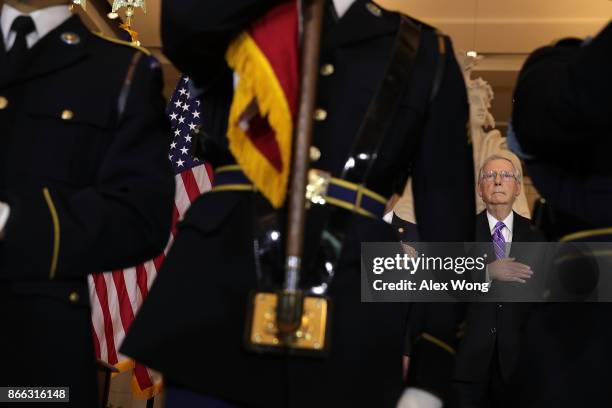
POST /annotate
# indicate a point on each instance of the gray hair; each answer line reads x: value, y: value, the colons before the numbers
x: 515, y: 170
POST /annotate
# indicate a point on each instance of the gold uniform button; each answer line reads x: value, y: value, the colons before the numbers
x: 67, y: 114
x: 3, y: 102
x: 400, y: 230
x: 315, y: 154
x: 74, y: 297
x: 320, y: 114
x: 71, y: 38
x: 374, y: 9
x: 327, y: 69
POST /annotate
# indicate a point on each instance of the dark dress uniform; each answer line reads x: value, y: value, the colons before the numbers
x: 84, y: 168
x: 563, y: 119
x: 191, y: 327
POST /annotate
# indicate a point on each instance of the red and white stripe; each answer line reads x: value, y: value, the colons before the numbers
x: 117, y: 296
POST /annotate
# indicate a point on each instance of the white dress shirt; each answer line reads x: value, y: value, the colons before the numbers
x: 45, y: 20
x: 342, y: 6
x: 5, y: 211
x: 388, y: 218
x: 506, y: 231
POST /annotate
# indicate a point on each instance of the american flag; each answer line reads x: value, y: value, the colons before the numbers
x: 116, y: 296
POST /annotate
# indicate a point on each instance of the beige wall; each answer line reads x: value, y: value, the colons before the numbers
x: 504, y: 30
x: 508, y: 26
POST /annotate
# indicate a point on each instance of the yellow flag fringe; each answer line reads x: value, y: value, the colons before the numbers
x: 258, y: 82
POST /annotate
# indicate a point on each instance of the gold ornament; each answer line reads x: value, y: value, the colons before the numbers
x: 82, y: 3
x: 130, y: 6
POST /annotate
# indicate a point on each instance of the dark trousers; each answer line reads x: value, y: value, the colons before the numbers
x: 45, y: 341
x: 489, y: 393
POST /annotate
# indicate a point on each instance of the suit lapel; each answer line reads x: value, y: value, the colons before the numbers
x: 361, y: 22
x: 2, y: 46
x: 521, y: 232
x: 483, y: 232
x: 2, y: 52
x: 60, y: 48
x: 483, y: 235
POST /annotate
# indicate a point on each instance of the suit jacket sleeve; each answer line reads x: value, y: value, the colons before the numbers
x: 443, y: 182
x: 120, y: 220
x: 196, y: 33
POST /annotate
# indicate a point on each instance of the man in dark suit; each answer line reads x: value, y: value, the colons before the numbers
x: 84, y: 181
x: 191, y: 327
x: 487, y: 355
x: 562, y: 120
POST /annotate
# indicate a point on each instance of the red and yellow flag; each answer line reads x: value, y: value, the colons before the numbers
x: 260, y: 131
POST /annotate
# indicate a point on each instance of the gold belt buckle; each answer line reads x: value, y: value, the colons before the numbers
x: 318, y: 183
x: 310, y: 339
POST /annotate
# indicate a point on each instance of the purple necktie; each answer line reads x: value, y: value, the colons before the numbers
x: 499, y: 243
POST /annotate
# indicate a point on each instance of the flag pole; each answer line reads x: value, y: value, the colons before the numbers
x: 290, y: 301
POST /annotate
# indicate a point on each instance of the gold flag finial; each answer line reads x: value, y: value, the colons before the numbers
x: 130, y: 6
x: 82, y: 3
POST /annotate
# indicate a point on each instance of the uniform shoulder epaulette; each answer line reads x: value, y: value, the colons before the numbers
x: 121, y: 42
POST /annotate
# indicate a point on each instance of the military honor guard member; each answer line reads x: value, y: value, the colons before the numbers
x: 85, y: 186
x: 191, y: 328
x: 562, y: 121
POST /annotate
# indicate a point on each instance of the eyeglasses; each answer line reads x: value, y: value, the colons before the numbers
x: 505, y: 175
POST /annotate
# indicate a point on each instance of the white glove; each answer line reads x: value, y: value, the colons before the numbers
x: 388, y: 218
x: 418, y: 398
x: 5, y: 211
